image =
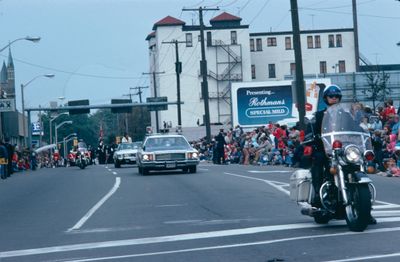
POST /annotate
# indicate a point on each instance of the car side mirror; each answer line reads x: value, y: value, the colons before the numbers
x: 144, y: 148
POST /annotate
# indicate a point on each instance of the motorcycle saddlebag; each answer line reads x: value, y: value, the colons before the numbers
x: 300, y: 185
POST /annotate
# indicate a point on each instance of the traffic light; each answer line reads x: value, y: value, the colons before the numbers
x: 126, y: 109
x: 79, y: 103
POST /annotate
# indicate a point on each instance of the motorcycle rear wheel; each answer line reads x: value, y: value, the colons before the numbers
x: 358, y: 211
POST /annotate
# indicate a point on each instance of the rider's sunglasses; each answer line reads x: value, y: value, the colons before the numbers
x: 334, y: 96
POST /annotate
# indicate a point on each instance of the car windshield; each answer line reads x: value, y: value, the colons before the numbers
x: 124, y: 146
x: 166, y: 143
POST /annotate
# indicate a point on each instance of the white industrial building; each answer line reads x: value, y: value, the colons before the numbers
x: 323, y: 52
x: 233, y: 54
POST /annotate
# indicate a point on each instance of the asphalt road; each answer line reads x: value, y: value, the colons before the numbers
x: 221, y: 213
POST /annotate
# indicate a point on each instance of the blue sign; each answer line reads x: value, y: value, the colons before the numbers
x: 37, y: 129
x: 259, y: 105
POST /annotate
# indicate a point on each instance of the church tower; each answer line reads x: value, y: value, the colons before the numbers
x: 10, y: 90
x: 3, y: 79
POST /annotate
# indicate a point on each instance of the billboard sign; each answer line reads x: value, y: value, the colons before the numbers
x: 258, y: 103
x: 37, y: 129
x: 7, y: 105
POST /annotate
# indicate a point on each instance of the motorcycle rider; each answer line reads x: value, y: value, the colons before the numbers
x: 332, y: 95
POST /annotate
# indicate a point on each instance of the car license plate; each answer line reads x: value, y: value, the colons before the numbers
x: 170, y: 165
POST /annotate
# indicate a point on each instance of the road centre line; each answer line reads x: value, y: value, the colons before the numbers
x: 27, y: 252
x: 269, y: 171
x: 85, y: 218
x: 276, y: 184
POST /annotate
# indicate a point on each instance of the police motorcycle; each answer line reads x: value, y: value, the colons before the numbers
x: 82, y: 157
x: 347, y: 192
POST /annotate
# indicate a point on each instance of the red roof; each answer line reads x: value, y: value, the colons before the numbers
x: 225, y: 17
x: 151, y: 35
x: 168, y: 20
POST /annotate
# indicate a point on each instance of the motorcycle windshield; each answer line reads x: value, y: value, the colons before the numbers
x: 341, y: 123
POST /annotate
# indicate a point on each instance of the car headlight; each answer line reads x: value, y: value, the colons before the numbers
x: 352, y: 154
x: 119, y: 156
x: 195, y: 155
x: 145, y: 157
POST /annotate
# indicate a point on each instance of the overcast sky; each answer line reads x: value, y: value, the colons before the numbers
x: 97, y: 48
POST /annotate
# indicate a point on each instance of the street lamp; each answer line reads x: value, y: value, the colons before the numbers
x: 50, y: 126
x: 59, y: 125
x: 23, y: 101
x: 66, y: 139
x: 34, y: 39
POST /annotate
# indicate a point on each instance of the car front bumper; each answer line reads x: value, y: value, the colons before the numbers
x: 165, y: 165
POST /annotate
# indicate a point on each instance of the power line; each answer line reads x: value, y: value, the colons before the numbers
x: 346, y: 13
x: 343, y: 6
x: 259, y: 12
x: 73, y: 72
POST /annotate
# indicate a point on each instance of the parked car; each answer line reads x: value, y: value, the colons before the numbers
x: 126, y: 153
x: 167, y: 152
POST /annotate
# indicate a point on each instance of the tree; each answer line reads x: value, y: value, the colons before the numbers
x: 378, y: 90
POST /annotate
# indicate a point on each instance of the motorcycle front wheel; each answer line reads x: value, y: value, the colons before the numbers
x: 358, y: 211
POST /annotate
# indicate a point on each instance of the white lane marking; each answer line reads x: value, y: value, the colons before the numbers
x: 114, y: 173
x: 277, y: 185
x: 195, y: 236
x: 269, y: 171
x: 266, y: 242
x: 387, y: 204
x: 366, y: 258
x: 183, y: 221
x: 386, y: 213
x: 203, y: 169
x: 280, y: 186
x: 171, y: 205
x: 83, y: 220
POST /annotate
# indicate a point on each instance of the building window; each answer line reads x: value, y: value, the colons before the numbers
x: 292, y: 69
x: 209, y: 39
x: 322, y: 67
x: 271, y: 41
x: 259, y: 44
x: 310, y: 43
x: 271, y: 71
x: 189, y: 40
x: 252, y: 45
x: 342, y: 66
x: 288, y: 43
x: 338, y: 40
x: 331, y: 40
x: 253, y: 71
x: 233, y: 38
x: 317, y: 41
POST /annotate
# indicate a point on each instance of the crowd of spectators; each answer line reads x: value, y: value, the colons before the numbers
x: 275, y: 144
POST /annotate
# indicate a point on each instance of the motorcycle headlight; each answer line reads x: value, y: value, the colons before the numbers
x: 352, y: 154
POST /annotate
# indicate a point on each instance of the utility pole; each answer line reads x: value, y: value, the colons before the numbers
x: 178, y: 70
x: 139, y: 92
x: 154, y: 73
x: 355, y: 28
x: 203, y: 70
x: 299, y: 80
